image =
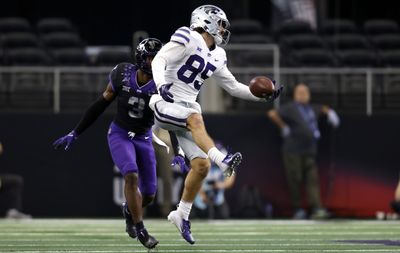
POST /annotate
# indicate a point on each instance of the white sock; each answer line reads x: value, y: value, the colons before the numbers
x: 184, y: 209
x: 217, y: 157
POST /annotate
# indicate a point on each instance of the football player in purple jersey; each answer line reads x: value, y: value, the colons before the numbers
x: 129, y: 135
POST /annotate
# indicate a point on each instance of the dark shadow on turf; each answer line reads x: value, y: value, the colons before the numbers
x: 380, y: 242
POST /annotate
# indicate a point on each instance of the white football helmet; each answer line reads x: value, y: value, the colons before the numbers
x: 213, y: 20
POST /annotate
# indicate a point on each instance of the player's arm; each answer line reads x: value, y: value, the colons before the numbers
x: 95, y: 109
x: 229, y: 83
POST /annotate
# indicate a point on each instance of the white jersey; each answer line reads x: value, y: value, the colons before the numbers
x: 186, y: 61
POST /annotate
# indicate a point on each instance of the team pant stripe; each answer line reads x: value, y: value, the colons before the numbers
x: 168, y: 118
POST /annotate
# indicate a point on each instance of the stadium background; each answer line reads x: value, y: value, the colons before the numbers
x: 358, y: 162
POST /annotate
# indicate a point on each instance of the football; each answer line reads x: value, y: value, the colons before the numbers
x: 261, y: 86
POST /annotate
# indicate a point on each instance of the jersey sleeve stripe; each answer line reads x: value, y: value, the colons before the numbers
x: 178, y: 42
x: 181, y: 36
x: 185, y: 30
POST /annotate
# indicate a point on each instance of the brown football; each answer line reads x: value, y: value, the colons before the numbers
x: 261, y: 86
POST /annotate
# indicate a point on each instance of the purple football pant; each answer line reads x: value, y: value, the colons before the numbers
x: 134, y: 154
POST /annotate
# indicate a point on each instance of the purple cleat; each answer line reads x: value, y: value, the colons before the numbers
x: 232, y: 161
x: 182, y: 225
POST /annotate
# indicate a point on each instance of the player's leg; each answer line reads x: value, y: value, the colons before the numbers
x: 174, y: 116
x: 146, y: 162
x: 124, y: 157
x: 396, y: 202
x: 228, y: 163
x: 200, y: 166
x: 123, y: 152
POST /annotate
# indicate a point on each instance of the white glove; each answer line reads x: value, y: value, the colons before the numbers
x: 333, y: 118
x: 285, y: 131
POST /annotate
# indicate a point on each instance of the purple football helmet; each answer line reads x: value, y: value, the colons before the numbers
x: 147, y: 47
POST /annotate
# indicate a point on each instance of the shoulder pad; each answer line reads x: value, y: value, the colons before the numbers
x: 182, y: 35
x: 119, y: 73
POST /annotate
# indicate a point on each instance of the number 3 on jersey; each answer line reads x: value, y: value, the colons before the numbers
x: 195, y: 65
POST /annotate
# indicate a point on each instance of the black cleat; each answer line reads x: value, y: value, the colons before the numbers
x: 130, y: 226
x: 147, y: 240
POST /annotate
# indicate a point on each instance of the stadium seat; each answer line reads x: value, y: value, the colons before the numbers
x: 348, y: 41
x: 293, y: 27
x: 356, y: 58
x: 301, y: 41
x: 51, y: 25
x: 19, y: 40
x: 386, y: 41
x: 69, y: 57
x: 250, y: 38
x: 313, y: 58
x: 14, y: 24
x: 390, y: 58
x: 245, y: 26
x: 338, y: 26
x: 62, y: 40
x: 380, y: 26
x: 111, y: 57
x: 27, y: 57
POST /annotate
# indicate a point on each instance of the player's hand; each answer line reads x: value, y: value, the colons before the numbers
x: 66, y: 141
x: 165, y: 94
x: 180, y: 161
x: 275, y: 94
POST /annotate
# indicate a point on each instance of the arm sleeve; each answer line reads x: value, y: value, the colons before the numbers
x: 91, y: 114
x: 169, y: 54
x: 229, y: 83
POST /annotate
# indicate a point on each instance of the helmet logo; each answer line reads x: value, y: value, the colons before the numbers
x: 152, y: 44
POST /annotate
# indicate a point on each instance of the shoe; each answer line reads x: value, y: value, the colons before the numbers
x: 300, y: 214
x: 233, y: 161
x: 320, y: 214
x: 147, y: 240
x: 130, y: 226
x: 182, y: 225
x: 15, y: 214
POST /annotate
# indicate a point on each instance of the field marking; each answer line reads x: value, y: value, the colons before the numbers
x: 218, y: 250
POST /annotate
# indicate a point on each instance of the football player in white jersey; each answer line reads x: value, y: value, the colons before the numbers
x: 179, y: 70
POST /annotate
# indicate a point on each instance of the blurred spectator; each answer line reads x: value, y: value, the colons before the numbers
x: 210, y: 201
x: 304, y: 10
x: 11, y: 187
x: 298, y: 122
x: 396, y: 202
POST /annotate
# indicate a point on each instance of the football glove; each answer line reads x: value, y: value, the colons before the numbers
x: 165, y: 94
x: 180, y: 161
x: 274, y: 94
x: 66, y: 141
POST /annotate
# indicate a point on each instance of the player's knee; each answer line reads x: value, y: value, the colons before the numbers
x: 201, y: 166
x: 147, y: 199
x: 195, y: 121
x: 131, y: 180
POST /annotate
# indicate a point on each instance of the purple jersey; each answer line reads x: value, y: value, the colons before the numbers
x: 133, y: 113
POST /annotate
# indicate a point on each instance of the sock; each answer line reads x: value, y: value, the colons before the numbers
x: 139, y: 226
x: 184, y: 209
x: 217, y: 157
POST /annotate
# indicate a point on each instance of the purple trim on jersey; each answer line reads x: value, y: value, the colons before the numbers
x: 146, y: 88
x: 167, y: 122
x: 168, y: 116
x: 178, y: 42
x: 183, y: 29
x: 134, y: 155
x: 182, y: 36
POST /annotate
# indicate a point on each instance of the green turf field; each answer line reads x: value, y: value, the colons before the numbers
x: 67, y: 235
